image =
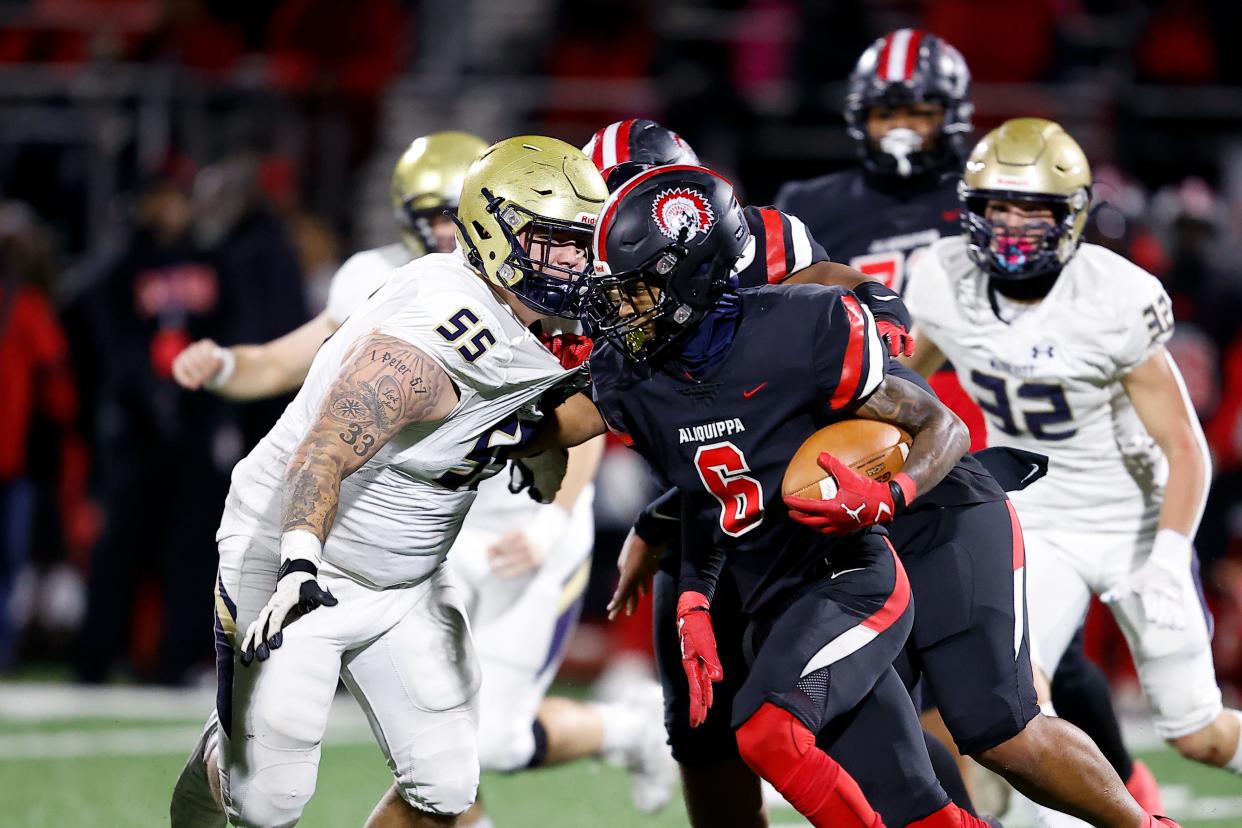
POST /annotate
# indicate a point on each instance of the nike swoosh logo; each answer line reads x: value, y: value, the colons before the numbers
x: 845, y: 572
x: 886, y: 298
x: 746, y: 395
x: 1034, y: 470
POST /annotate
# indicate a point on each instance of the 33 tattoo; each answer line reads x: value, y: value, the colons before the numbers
x: 384, y: 385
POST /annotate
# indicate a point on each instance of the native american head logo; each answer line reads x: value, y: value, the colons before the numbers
x: 682, y: 208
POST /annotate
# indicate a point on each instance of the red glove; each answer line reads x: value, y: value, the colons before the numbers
x: 859, y: 501
x: 895, y: 335
x: 571, y: 349
x: 698, y: 652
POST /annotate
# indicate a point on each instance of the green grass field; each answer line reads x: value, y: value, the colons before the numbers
x: 112, y: 763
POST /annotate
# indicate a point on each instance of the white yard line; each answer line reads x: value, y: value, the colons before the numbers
x: 39, y: 702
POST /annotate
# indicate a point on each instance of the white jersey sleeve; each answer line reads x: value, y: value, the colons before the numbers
x: 1144, y: 322
x: 362, y: 274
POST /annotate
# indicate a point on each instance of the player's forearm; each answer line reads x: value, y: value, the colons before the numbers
x: 1186, y: 491
x: 572, y: 423
x: 939, y: 437
x: 584, y: 462
x: 385, y: 385
x: 1158, y: 394
x: 278, y: 366
x: 312, y: 487
x: 254, y: 375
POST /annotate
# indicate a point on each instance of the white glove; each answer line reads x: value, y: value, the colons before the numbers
x: 295, y: 587
x: 1160, y: 582
x: 523, y: 550
x: 541, y: 473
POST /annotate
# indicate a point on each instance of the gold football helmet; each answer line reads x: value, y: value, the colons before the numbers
x: 1025, y: 160
x: 531, y: 186
x: 427, y: 181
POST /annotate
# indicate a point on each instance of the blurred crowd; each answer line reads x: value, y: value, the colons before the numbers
x: 112, y: 478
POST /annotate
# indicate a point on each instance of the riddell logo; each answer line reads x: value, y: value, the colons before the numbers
x: 682, y: 209
x: 587, y: 218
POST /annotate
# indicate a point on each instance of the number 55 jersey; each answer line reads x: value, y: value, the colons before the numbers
x: 1048, y: 378
x: 401, y: 511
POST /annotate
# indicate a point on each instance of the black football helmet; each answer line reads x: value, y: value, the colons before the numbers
x: 637, y: 140
x: 665, y: 247
x: 904, y: 67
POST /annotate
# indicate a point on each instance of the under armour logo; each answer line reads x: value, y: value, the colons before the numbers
x: 1037, y: 349
x: 854, y: 513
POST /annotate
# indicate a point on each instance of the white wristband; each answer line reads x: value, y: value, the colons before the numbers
x: 301, y: 545
x: 228, y: 365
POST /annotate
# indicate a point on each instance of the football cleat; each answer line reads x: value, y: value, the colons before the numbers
x: 650, y: 763
x: 193, y: 804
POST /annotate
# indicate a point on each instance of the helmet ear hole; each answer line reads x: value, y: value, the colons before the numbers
x: 482, y: 233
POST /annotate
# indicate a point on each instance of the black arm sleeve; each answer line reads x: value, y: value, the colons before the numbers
x: 701, y: 561
x: 660, y: 521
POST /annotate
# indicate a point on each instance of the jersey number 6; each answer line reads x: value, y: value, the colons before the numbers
x: 462, y: 323
x: 722, y: 468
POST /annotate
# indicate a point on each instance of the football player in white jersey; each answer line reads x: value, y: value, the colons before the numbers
x: 351, y: 502
x: 521, y: 565
x: 1063, y: 346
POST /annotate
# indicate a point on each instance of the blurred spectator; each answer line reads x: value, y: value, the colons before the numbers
x: 42, y: 458
x: 1002, y: 42
x: 355, y: 47
x: 189, y: 35
x: 216, y: 264
x: 1176, y: 45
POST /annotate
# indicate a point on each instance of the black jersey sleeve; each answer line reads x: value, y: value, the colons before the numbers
x: 660, y: 521
x: 849, y: 359
x: 783, y: 246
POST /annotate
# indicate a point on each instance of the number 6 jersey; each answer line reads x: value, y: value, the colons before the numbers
x: 401, y: 511
x: 802, y: 355
x: 1048, y: 378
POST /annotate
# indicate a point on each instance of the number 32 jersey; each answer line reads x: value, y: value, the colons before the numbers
x: 401, y: 511
x: 1049, y: 378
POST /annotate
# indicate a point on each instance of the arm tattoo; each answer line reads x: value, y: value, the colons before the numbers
x: 940, y: 439
x: 384, y: 385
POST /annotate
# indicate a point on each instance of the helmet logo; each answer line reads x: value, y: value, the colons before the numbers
x: 680, y: 209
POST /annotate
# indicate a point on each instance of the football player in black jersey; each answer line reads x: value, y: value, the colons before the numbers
x: 963, y: 548
x: 907, y: 108
x: 717, y: 389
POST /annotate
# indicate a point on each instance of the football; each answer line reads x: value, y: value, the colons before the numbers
x: 870, y: 447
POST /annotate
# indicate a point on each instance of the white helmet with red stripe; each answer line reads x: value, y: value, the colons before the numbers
x: 640, y: 141
x: 904, y: 67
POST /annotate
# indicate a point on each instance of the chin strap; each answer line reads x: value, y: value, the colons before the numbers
x: 1035, y: 287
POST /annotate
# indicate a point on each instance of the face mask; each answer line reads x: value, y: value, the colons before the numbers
x: 901, y: 143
